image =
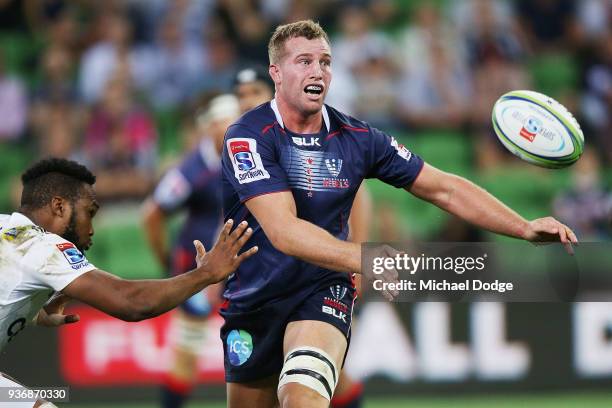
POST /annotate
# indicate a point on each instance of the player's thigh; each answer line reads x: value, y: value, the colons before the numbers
x: 314, y: 333
x: 326, y: 341
x: 254, y: 394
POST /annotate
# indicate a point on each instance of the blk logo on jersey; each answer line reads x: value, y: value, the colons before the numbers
x: 247, y: 163
x: 71, y: 253
x: 308, y: 142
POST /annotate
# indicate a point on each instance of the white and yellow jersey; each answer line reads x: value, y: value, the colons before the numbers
x: 33, y: 265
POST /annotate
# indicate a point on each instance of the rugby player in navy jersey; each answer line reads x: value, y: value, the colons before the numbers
x: 291, y: 168
x: 253, y: 86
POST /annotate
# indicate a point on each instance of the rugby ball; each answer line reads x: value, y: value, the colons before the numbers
x: 537, y: 129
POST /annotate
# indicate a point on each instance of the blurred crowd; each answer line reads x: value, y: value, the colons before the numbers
x: 100, y: 76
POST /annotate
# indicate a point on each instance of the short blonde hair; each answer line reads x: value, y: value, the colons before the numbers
x: 305, y: 28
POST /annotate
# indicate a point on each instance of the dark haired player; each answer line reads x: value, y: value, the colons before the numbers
x: 291, y: 168
x: 41, y: 253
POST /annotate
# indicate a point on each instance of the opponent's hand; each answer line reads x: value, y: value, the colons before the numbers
x: 52, y: 314
x: 547, y: 230
x: 223, y: 258
x: 388, y: 275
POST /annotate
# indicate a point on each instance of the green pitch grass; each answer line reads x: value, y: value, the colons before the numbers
x: 576, y: 400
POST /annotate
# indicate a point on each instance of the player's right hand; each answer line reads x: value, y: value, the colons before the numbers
x: 547, y: 230
x: 223, y: 259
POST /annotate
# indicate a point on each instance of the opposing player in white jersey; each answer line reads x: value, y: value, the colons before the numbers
x: 42, y: 264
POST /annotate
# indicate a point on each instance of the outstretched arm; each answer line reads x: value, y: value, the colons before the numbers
x: 466, y: 200
x: 134, y: 300
x: 276, y: 213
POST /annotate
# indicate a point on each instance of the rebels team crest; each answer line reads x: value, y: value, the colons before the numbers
x: 338, y: 291
x: 334, y: 166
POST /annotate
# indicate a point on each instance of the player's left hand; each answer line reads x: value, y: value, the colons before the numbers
x: 547, y: 230
x: 52, y: 314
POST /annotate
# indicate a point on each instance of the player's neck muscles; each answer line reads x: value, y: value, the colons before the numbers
x: 294, y: 121
x: 320, y: 133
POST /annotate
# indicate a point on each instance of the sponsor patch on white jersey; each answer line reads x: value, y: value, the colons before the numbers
x: 246, y: 161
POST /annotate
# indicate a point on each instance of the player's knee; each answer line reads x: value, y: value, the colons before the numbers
x: 294, y: 395
x: 309, y: 367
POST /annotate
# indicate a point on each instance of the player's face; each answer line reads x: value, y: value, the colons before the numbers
x: 303, y: 74
x: 79, y: 229
x: 252, y: 94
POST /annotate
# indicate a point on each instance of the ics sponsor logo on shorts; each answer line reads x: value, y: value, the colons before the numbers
x: 247, y: 163
x: 239, y: 347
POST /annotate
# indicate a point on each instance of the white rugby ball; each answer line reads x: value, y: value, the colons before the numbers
x: 537, y: 129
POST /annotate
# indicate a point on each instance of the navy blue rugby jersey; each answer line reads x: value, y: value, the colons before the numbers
x: 195, y: 186
x: 323, y: 171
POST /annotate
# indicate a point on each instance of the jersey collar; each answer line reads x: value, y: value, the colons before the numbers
x: 18, y: 219
x: 279, y: 119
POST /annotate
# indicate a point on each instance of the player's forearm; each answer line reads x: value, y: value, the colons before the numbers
x: 151, y: 298
x: 134, y: 300
x: 476, y: 206
x: 306, y: 241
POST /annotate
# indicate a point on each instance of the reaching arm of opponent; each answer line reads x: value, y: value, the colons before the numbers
x: 134, y: 300
x: 466, y: 200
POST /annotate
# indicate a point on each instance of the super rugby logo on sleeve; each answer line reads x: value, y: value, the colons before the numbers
x: 74, y: 257
x: 246, y: 161
x: 401, y: 149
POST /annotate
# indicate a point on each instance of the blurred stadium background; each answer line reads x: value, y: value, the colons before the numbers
x: 115, y: 84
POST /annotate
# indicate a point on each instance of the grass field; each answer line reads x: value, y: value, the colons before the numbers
x: 577, y: 400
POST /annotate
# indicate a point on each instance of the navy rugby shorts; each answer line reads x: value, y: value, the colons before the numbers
x: 253, y: 340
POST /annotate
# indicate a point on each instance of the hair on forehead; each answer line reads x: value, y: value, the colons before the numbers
x: 283, y: 33
x: 54, y: 177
